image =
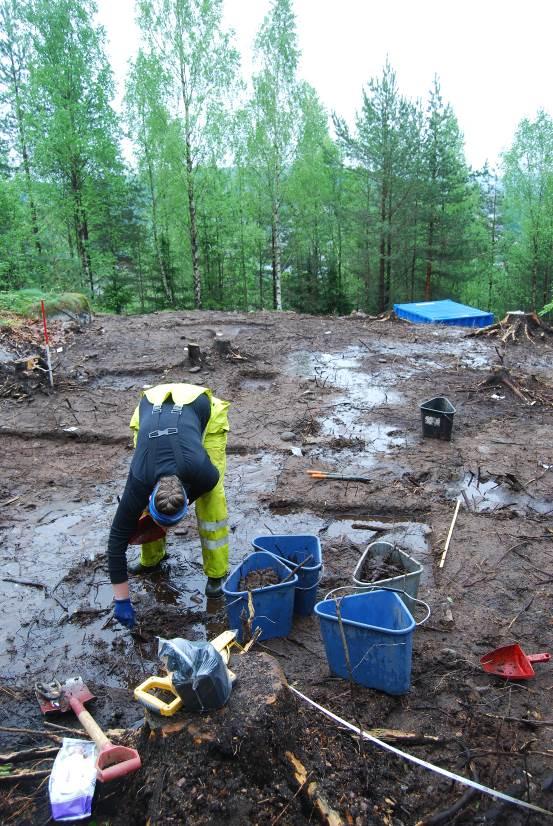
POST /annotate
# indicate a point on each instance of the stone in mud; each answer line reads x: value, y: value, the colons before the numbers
x: 287, y: 436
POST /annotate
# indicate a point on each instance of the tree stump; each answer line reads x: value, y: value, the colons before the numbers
x: 253, y: 727
x: 194, y: 354
x: 516, y: 326
x: 238, y: 764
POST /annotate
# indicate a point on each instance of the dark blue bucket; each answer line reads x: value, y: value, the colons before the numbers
x: 273, y: 605
x: 378, y: 630
x: 293, y: 549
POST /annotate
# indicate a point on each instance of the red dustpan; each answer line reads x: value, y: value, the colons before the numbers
x: 511, y: 662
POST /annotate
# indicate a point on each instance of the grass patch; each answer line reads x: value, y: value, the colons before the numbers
x: 18, y: 304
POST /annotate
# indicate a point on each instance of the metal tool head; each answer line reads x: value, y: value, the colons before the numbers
x: 53, y: 696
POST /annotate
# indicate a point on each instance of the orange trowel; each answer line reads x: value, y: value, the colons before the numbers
x: 511, y: 662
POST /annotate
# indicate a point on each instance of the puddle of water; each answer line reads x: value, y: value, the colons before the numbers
x: 413, y: 355
x: 344, y: 527
x: 64, y: 622
x: 478, y: 361
x: 411, y: 537
x: 343, y: 370
x: 382, y: 437
x: 344, y: 420
x: 226, y: 330
x: 250, y: 475
x: 350, y: 461
x: 255, y: 384
x: 491, y: 495
x: 365, y: 390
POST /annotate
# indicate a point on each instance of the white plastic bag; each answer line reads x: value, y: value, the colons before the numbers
x: 73, y: 780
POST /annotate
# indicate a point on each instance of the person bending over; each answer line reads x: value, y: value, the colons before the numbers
x: 180, y: 435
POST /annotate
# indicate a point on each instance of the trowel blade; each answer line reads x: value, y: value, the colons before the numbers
x: 72, y: 687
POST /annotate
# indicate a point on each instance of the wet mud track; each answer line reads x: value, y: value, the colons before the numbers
x: 330, y: 393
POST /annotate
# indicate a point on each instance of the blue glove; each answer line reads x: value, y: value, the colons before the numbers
x: 124, y: 612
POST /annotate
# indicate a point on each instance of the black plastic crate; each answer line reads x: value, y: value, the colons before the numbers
x: 437, y: 418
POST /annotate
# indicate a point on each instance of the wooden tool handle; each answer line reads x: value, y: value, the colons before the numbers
x: 89, y: 723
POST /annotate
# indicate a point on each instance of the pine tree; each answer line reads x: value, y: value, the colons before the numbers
x: 528, y: 208
x: 446, y: 208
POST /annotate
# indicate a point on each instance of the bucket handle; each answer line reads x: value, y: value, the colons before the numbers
x: 364, y: 589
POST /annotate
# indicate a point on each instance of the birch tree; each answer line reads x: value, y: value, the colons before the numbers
x: 148, y: 122
x: 200, y: 67
x: 275, y: 116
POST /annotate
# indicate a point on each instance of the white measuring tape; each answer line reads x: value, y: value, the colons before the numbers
x: 444, y: 772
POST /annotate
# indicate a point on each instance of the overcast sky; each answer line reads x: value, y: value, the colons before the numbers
x: 494, y: 58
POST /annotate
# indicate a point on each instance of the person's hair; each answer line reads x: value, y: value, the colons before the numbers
x: 169, y: 498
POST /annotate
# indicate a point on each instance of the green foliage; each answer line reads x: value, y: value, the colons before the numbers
x: 528, y: 211
x: 197, y: 72
x: 252, y: 203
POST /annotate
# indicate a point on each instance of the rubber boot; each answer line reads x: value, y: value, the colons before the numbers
x: 151, y: 556
x: 214, y: 587
x: 139, y: 568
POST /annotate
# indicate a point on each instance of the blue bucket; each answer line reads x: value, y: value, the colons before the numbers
x: 378, y: 629
x: 273, y: 605
x: 294, y: 548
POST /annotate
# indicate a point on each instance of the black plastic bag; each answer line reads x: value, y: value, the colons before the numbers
x: 199, y: 674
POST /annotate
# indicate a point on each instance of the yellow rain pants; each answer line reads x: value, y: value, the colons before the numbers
x: 211, y: 508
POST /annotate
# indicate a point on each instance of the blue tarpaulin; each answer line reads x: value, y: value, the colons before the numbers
x: 443, y: 312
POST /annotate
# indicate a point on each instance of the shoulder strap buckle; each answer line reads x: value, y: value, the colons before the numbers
x: 169, y: 431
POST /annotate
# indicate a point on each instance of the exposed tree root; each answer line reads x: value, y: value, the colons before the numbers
x: 325, y: 813
x: 528, y: 390
x: 501, y: 376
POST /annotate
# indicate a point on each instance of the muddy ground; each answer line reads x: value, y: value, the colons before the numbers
x: 339, y: 394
